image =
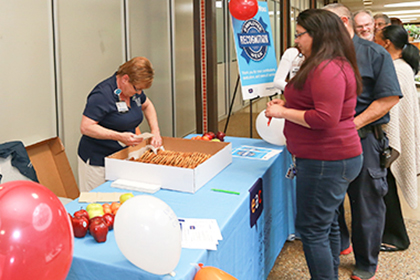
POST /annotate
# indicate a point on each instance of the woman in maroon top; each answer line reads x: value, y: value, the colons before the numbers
x: 320, y: 133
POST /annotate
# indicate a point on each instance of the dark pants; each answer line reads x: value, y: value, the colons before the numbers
x: 320, y: 189
x: 366, y: 195
x: 395, y: 232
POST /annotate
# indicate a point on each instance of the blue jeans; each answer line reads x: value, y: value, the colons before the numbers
x: 321, y: 188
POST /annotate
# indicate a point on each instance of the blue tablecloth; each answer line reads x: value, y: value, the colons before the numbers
x: 244, y: 252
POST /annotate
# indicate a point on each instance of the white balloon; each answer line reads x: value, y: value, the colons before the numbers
x: 148, y: 233
x: 272, y: 133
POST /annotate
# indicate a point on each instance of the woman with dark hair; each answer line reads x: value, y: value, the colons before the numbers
x: 396, y: 21
x: 321, y: 135
x: 403, y: 132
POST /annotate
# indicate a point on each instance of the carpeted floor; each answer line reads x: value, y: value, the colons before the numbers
x: 291, y: 264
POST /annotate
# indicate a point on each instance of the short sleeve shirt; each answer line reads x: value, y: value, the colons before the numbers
x: 378, y: 74
x: 101, y: 107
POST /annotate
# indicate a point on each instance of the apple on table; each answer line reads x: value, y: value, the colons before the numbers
x: 80, y: 226
x: 109, y: 219
x: 114, y: 207
x: 81, y: 213
x: 98, y: 228
x: 107, y: 208
x: 94, y: 210
x: 125, y: 196
x: 221, y: 136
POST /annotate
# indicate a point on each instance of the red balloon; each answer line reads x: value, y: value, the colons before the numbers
x: 36, y: 238
x: 212, y: 273
x: 243, y: 9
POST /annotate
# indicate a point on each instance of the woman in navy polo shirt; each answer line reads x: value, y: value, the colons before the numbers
x: 110, y: 121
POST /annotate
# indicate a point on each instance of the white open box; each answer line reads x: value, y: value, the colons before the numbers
x: 169, y: 177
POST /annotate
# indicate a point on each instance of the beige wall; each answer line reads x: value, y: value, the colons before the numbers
x: 47, y: 73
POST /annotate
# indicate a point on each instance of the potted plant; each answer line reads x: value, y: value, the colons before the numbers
x: 413, y: 31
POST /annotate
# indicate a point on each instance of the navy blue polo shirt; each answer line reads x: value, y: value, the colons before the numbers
x: 378, y: 74
x: 101, y: 107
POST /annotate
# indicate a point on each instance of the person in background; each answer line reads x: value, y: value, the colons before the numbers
x: 113, y: 112
x: 381, y: 20
x: 381, y: 91
x: 365, y: 24
x: 403, y: 132
x: 289, y: 65
x: 396, y: 21
x: 321, y: 134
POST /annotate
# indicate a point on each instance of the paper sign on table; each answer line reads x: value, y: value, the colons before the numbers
x: 200, y: 233
x: 255, y: 152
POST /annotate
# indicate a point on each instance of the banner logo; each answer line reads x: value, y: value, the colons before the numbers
x: 254, y: 40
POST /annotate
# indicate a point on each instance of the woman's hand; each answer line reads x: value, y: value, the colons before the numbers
x: 275, y: 108
x: 156, y: 141
x: 151, y: 117
x: 129, y: 139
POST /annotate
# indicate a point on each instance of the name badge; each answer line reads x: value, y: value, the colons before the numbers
x: 122, y: 107
x: 291, y: 172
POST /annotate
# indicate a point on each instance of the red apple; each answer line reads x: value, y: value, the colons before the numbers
x: 81, y: 212
x: 80, y: 226
x: 221, y: 136
x: 210, y: 135
x: 100, y: 218
x: 98, y: 229
x: 109, y: 219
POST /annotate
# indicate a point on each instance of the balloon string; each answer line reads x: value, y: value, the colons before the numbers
x: 269, y: 121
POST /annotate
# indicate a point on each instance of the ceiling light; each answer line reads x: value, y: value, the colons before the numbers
x: 402, y: 12
x: 403, y: 4
x: 408, y: 16
x: 408, y: 19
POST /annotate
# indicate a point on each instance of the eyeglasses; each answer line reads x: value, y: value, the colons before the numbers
x: 135, y: 89
x: 300, y: 34
x: 368, y: 25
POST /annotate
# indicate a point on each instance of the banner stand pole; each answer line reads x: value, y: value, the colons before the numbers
x: 231, y: 104
x: 250, y: 108
x: 251, y: 116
